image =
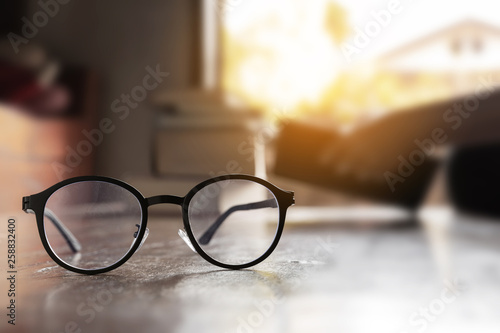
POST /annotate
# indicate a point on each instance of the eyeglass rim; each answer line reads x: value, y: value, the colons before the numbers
x: 38, y: 201
x: 284, y: 198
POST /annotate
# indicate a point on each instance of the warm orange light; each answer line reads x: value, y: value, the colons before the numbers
x: 286, y: 55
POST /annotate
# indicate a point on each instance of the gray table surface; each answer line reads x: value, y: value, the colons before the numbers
x: 321, y: 278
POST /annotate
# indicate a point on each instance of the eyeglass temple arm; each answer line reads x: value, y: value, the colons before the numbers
x: 209, y: 233
x: 73, y: 243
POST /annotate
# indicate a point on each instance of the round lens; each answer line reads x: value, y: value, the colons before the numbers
x: 234, y: 221
x: 92, y: 224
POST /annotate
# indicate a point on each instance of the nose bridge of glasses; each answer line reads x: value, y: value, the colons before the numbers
x: 182, y: 234
x: 161, y: 199
x: 146, y: 234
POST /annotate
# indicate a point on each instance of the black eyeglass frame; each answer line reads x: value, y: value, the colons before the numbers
x: 36, y: 203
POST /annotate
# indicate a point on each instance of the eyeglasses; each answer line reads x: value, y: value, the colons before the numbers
x: 94, y: 224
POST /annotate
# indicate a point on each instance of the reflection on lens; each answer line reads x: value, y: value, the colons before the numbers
x: 92, y: 224
x: 234, y: 221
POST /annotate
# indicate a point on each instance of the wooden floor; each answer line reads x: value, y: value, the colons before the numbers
x: 320, y: 279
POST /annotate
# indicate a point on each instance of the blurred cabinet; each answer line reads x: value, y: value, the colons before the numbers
x: 197, y: 135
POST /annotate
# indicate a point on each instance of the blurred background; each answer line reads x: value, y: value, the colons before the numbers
x: 167, y: 93
x: 371, y: 111
x: 158, y: 94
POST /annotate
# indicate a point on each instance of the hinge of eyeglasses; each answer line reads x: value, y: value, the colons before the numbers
x: 292, y: 198
x: 26, y: 204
